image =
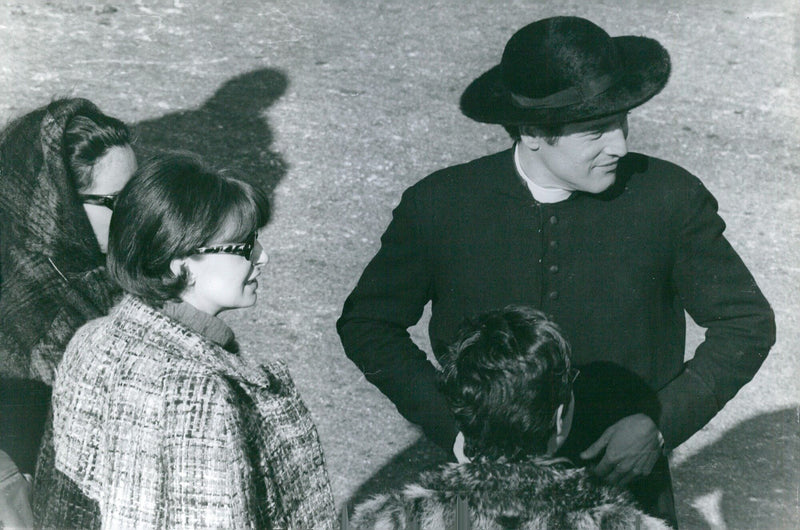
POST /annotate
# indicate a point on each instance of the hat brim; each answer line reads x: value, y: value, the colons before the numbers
x: 646, y: 69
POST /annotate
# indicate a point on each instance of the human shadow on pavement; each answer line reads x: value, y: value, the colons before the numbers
x: 747, y: 479
x: 229, y: 131
x: 403, y: 468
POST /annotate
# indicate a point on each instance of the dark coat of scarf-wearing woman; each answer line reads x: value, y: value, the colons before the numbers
x: 52, y: 272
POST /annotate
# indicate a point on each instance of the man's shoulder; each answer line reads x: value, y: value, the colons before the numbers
x: 467, y: 175
x: 640, y: 169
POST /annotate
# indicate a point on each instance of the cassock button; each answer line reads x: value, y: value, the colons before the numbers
x: 553, y: 244
x: 553, y: 220
x: 553, y: 295
x: 554, y: 268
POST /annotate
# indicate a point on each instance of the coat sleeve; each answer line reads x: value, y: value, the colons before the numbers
x: 388, y: 299
x: 208, y: 477
x: 720, y: 294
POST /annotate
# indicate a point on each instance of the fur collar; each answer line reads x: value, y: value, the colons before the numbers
x: 529, y: 494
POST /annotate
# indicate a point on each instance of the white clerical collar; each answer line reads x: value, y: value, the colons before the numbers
x: 540, y: 193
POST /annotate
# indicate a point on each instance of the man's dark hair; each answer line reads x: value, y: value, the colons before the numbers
x: 172, y: 205
x: 550, y: 133
x: 505, y: 377
x: 87, y: 137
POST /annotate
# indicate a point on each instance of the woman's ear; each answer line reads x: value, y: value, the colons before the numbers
x: 178, y: 267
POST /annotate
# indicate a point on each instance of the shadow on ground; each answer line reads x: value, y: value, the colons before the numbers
x: 762, y: 453
x: 747, y: 479
x: 230, y: 130
x: 400, y: 470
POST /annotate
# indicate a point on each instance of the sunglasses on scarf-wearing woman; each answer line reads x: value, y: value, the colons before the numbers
x: 99, y: 200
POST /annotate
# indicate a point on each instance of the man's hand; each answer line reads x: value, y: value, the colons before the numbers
x: 632, y: 447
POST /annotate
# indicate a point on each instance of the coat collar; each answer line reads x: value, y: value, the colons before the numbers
x: 495, y: 486
x: 209, y: 326
x: 503, y: 177
x: 139, y: 318
x: 500, y: 176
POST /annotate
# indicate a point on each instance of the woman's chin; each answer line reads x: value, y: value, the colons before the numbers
x: 253, y: 297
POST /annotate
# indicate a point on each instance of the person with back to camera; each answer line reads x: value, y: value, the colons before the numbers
x: 508, y: 379
x: 60, y: 167
x: 615, y: 246
x: 157, y: 416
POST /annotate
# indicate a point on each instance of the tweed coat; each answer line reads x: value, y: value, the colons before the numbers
x: 615, y: 270
x: 52, y: 273
x: 165, y: 429
x: 531, y: 494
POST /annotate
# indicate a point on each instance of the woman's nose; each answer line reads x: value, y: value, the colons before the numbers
x: 262, y: 258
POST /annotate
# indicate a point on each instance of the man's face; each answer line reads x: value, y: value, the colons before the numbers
x: 584, y: 158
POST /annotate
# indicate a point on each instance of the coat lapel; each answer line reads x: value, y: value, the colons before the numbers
x: 270, y: 375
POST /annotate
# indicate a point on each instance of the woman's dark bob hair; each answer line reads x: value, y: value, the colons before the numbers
x: 172, y: 205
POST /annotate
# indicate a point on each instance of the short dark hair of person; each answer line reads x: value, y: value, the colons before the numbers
x: 87, y: 137
x: 550, y: 133
x: 172, y: 205
x: 505, y: 377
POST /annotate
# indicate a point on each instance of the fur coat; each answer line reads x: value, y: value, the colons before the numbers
x: 531, y: 494
x: 164, y: 428
x: 52, y: 273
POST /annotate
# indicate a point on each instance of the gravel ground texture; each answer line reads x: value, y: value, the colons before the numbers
x: 337, y: 106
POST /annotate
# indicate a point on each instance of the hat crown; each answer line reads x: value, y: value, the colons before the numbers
x: 565, y: 70
x: 556, y: 54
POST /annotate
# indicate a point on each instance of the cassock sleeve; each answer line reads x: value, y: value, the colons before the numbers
x: 721, y: 295
x: 388, y: 299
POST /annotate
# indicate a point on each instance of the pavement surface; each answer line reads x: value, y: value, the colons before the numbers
x: 337, y: 106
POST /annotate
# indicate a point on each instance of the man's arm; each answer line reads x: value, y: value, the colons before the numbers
x: 721, y: 295
x: 388, y: 299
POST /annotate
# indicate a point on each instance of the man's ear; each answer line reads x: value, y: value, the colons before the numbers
x: 559, y: 420
x: 557, y: 438
x: 528, y: 137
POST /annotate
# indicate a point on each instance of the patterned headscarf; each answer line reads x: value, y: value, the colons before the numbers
x: 52, y: 273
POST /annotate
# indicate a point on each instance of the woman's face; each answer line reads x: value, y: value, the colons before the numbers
x: 224, y: 281
x: 110, y: 173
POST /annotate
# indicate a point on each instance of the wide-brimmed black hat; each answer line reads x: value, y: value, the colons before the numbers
x: 564, y: 70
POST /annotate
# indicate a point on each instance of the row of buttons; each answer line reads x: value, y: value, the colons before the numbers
x: 553, y: 295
